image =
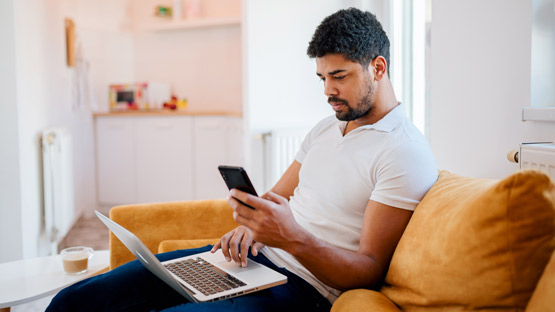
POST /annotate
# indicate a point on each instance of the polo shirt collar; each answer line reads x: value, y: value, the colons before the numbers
x: 390, y: 121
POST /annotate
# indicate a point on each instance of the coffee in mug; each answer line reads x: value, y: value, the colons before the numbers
x: 76, y: 259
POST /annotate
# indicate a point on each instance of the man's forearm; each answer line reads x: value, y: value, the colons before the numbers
x: 336, y: 267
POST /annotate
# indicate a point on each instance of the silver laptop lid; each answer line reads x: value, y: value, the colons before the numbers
x: 134, y: 244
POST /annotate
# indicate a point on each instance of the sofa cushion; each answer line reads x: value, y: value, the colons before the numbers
x: 171, y: 245
x: 475, y: 244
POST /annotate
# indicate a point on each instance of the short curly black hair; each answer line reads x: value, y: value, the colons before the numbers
x: 355, y: 34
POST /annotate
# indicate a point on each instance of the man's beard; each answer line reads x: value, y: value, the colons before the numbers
x: 364, y: 107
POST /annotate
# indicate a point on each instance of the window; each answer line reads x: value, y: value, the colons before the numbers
x: 410, y: 55
x: 542, y: 82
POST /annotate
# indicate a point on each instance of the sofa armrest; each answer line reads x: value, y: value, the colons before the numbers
x: 153, y: 223
x: 362, y: 300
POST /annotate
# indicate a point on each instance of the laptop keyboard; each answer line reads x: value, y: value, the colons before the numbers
x: 204, y: 276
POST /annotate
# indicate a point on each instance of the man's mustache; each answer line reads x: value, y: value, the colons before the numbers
x: 336, y: 99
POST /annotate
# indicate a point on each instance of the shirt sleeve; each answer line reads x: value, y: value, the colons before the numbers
x: 405, y: 175
x: 308, y: 139
x: 299, y: 157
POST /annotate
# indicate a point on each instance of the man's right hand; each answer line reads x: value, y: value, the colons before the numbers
x: 238, y: 238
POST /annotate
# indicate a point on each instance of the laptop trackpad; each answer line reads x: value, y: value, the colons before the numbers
x: 233, y: 267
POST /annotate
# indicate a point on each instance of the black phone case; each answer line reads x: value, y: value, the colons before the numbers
x: 237, y: 178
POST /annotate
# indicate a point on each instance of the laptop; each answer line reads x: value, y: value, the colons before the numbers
x: 202, y: 277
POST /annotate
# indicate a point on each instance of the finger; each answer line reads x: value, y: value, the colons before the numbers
x: 216, y: 246
x: 256, y: 247
x: 237, y: 205
x: 244, y: 221
x: 225, y: 246
x: 248, y: 223
x: 248, y: 199
x: 276, y: 198
x: 234, y: 245
x: 245, y: 244
x: 265, y: 196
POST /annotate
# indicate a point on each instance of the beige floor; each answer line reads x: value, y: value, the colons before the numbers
x: 87, y: 231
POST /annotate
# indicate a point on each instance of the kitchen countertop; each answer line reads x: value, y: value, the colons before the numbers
x: 142, y: 113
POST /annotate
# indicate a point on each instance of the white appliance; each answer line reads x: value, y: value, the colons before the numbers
x: 539, y: 156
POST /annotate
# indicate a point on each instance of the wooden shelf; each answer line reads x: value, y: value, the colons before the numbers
x: 168, y: 25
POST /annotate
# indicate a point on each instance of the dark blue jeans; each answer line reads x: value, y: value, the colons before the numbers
x: 131, y: 287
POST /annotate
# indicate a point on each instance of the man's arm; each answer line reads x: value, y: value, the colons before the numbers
x: 288, y: 181
x: 382, y: 228
x: 273, y: 224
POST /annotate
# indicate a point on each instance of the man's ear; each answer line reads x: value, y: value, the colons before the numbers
x: 379, y: 65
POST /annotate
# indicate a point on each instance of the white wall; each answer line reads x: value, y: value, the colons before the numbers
x: 44, y: 86
x: 105, y: 39
x: 283, y: 89
x: 480, y: 81
x: 202, y: 65
x: 40, y: 95
x: 10, y: 197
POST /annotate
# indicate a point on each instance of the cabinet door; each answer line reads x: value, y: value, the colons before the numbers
x: 164, y: 159
x: 211, y: 149
x: 115, y: 160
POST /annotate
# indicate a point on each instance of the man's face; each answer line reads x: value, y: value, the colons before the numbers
x: 348, y: 86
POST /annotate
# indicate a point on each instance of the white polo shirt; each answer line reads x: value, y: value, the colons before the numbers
x: 389, y: 162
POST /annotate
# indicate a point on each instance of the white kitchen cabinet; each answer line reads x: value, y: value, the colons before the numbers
x: 144, y: 159
x: 115, y: 160
x: 213, y: 149
x: 163, y: 158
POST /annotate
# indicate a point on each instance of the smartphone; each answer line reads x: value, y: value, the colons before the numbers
x: 237, y: 178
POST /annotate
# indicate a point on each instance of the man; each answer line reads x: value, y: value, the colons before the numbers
x: 333, y: 220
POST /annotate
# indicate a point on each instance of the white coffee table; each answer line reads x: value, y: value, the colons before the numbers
x: 31, y: 279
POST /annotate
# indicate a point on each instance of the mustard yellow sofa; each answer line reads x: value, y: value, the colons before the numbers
x: 472, y: 244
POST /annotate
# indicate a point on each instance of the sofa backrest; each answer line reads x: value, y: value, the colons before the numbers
x: 475, y: 244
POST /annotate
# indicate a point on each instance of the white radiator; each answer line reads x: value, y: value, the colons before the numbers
x: 539, y: 156
x: 278, y: 152
x: 57, y: 184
